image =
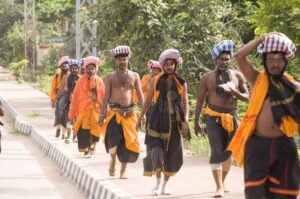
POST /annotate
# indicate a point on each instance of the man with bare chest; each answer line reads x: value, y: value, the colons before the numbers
x: 263, y: 142
x: 119, y: 122
x: 223, y: 87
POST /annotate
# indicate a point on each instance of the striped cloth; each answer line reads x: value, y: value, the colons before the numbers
x: 278, y: 42
x: 226, y: 45
x: 121, y: 51
x: 170, y: 54
x: 75, y: 62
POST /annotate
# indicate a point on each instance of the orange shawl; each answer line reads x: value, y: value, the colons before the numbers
x: 248, y: 124
x: 145, y: 93
x: 88, y: 120
x: 82, y: 95
x: 55, y: 85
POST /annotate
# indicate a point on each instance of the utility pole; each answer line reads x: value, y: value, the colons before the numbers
x: 85, y: 31
x: 30, y: 33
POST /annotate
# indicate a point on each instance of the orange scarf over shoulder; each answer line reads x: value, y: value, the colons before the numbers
x: 288, y: 126
x: 82, y: 95
x: 144, y: 80
x: 55, y: 84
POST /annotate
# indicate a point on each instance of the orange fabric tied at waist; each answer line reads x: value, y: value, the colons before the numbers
x: 88, y: 120
x: 226, y: 119
x: 128, y: 125
x: 55, y: 84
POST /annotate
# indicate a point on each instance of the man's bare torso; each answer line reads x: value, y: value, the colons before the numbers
x: 265, y: 124
x: 225, y: 101
x: 122, y: 86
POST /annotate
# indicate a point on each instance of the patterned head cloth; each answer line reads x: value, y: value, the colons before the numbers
x: 121, y: 51
x: 75, y: 62
x: 91, y: 60
x: 278, y: 42
x: 154, y: 64
x: 170, y: 54
x: 226, y: 45
x: 64, y: 59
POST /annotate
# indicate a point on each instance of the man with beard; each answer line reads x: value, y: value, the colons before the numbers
x: 263, y: 141
x: 64, y: 95
x: 121, y: 137
x: 85, y: 106
x: 56, y: 81
x: 223, y: 87
x: 168, y: 119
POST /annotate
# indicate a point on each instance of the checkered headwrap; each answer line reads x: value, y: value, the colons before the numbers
x: 75, y: 62
x: 170, y: 54
x: 278, y: 42
x: 226, y: 45
x: 123, y: 51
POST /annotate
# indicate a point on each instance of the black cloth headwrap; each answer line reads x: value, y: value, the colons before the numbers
x: 284, y: 99
x: 71, y: 82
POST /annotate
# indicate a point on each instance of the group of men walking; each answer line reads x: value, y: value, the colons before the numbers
x: 262, y: 142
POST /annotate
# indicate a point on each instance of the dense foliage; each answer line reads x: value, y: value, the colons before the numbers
x: 149, y: 27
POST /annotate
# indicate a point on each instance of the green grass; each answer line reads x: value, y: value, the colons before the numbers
x: 198, y: 146
x: 33, y: 114
x: 17, y: 133
x: 45, y: 83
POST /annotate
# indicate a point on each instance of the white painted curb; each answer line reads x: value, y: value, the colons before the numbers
x: 87, y: 180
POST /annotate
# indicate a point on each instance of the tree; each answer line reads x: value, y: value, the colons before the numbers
x: 149, y: 27
x: 280, y: 16
x: 10, y: 14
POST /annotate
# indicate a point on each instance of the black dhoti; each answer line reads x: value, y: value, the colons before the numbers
x: 271, y: 168
x: 164, y: 153
x: 218, y: 137
x: 86, y: 141
x: 62, y: 110
x: 114, y: 137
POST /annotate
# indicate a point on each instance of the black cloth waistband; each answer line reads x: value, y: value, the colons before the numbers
x: 256, y: 133
x: 221, y: 109
x: 124, y: 108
